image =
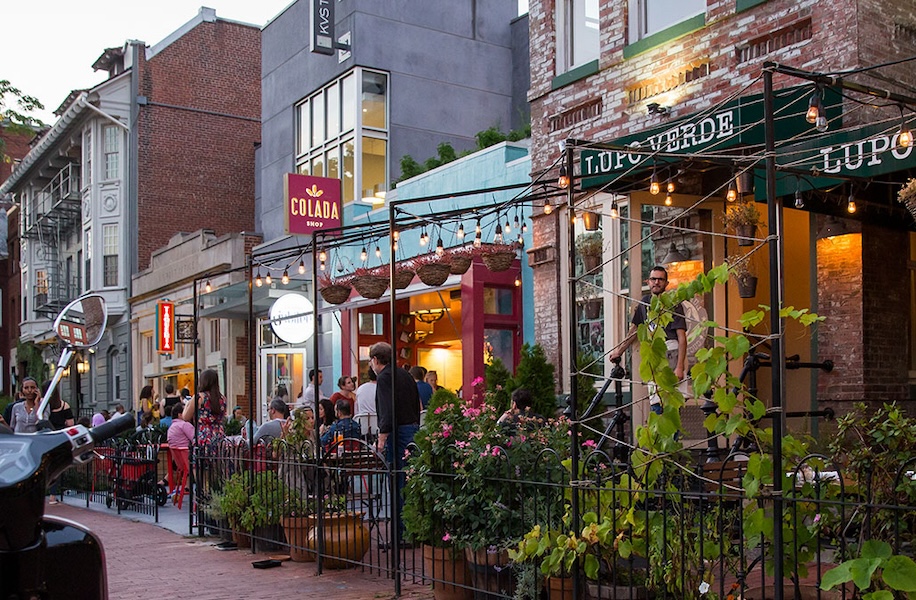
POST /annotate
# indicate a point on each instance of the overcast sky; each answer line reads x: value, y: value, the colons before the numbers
x: 47, y: 47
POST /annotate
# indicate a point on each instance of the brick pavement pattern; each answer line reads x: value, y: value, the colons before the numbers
x: 148, y: 562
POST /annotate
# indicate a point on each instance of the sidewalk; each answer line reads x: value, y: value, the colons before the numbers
x: 146, y: 561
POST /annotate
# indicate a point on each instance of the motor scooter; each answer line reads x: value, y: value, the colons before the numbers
x: 50, y: 557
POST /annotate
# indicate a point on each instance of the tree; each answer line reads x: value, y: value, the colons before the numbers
x: 14, y: 109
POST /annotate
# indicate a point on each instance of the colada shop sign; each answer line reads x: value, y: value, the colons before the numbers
x: 312, y: 203
x: 739, y: 122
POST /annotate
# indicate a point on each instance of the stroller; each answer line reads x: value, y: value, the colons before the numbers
x: 132, y: 476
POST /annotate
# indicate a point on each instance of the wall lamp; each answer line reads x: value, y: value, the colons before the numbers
x: 656, y: 109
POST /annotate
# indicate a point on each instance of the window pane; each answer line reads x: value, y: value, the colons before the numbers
x: 318, y: 166
x: 110, y: 233
x: 111, y: 141
x: 584, y: 32
x: 302, y: 141
x: 110, y: 258
x: 333, y: 163
x: 374, y: 166
x: 375, y: 91
x: 497, y: 301
x: 348, y: 103
x: 624, y: 223
x: 348, y: 169
x: 87, y: 158
x: 654, y: 15
x: 317, y: 120
x: 332, y: 102
x: 110, y: 265
x: 498, y: 343
x: 303, y: 168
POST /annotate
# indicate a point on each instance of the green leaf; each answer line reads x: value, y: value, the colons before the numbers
x: 876, y: 549
x: 862, y: 569
x: 878, y: 595
x: 836, y: 576
x: 625, y: 548
x: 591, y: 566
x: 756, y: 408
x: 737, y: 345
x: 900, y: 573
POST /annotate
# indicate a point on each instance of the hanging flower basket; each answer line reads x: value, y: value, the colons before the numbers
x: 497, y: 257
x: 434, y: 274
x: 402, y: 278
x: 334, y: 291
x: 370, y: 285
x: 907, y: 196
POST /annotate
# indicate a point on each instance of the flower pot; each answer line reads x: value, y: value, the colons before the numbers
x: 444, y: 566
x: 745, y: 234
x: 560, y: 588
x: 591, y: 263
x: 345, y: 540
x: 592, y: 308
x: 491, y: 573
x: 335, y: 293
x: 498, y: 261
x: 433, y: 274
x: 269, y: 538
x: 806, y: 591
x: 242, y: 539
x: 297, y: 530
x: 370, y: 286
x: 609, y: 591
x: 459, y: 264
x: 747, y: 286
x: 402, y: 278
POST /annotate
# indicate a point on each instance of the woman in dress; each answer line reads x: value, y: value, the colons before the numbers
x: 24, y: 415
x: 346, y: 391
x: 149, y: 404
x: 212, y: 409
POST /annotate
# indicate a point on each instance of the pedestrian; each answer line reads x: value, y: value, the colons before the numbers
x: 24, y: 415
x: 209, y: 408
x: 149, y: 404
x: 424, y: 390
x: 365, y: 396
x: 675, y: 333
x: 346, y: 389
x: 308, y: 394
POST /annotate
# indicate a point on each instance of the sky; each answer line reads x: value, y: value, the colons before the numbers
x: 47, y: 47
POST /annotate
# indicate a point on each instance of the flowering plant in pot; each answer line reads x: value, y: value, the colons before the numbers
x: 739, y: 267
x: 742, y: 217
x: 432, y: 269
x: 907, y: 196
x: 497, y: 257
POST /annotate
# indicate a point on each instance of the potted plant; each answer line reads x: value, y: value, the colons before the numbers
x: 340, y: 535
x: 497, y: 257
x: 233, y: 502
x: 742, y: 217
x: 907, y: 196
x: 369, y: 283
x: 739, y: 267
x: 334, y: 290
x: 431, y: 268
x: 251, y: 501
x: 590, y: 247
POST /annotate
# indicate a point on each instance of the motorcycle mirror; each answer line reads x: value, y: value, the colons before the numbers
x: 81, y: 324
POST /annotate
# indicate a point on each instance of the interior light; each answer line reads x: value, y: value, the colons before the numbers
x: 285, y: 279
x: 302, y: 267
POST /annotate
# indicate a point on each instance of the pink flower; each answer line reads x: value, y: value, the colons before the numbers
x: 817, y: 517
x: 477, y: 381
x: 590, y: 444
x: 446, y: 537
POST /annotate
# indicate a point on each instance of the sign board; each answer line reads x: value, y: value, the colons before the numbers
x: 292, y: 318
x: 185, y: 330
x: 312, y: 203
x: 869, y: 151
x: 321, y: 40
x: 739, y: 122
x: 165, y: 327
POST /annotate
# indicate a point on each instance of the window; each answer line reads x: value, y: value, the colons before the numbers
x: 147, y: 349
x: 578, y: 39
x: 87, y: 158
x: 651, y: 16
x: 114, y: 375
x: 87, y: 252
x: 110, y: 255
x: 112, y: 145
x: 214, y: 335
x: 329, y: 142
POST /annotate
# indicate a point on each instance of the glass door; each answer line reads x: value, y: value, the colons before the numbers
x: 279, y: 367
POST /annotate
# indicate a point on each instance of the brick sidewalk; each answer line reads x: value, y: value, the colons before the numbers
x: 149, y: 562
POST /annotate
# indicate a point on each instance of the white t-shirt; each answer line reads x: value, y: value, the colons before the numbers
x: 365, y: 399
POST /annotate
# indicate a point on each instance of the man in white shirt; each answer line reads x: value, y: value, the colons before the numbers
x: 365, y: 396
x: 308, y: 396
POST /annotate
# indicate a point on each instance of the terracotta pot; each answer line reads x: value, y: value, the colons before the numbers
x: 806, y: 591
x: 745, y: 233
x: 608, y: 591
x: 345, y: 538
x: 447, y: 565
x: 491, y: 574
x: 242, y: 539
x: 560, y: 588
x: 297, y: 530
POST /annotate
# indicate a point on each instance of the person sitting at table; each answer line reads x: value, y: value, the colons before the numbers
x: 344, y: 427
x: 278, y: 412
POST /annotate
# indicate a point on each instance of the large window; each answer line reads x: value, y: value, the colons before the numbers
x: 111, y: 149
x: 87, y: 158
x: 343, y: 133
x: 651, y: 16
x: 110, y: 255
x: 87, y: 252
x: 578, y: 39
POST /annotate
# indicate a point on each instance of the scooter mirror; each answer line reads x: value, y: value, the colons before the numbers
x: 82, y: 323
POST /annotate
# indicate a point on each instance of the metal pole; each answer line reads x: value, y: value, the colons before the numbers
x: 252, y: 340
x: 192, y: 477
x: 774, y: 218
x: 572, y: 323
x: 395, y: 533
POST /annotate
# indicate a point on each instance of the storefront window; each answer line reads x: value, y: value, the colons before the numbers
x: 500, y: 343
x: 497, y: 301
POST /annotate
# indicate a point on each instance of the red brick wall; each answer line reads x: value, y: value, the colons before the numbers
x: 196, y: 164
x: 15, y: 146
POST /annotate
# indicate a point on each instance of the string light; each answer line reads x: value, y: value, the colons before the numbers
x: 671, y: 186
x: 321, y: 266
x: 548, y: 207
x: 285, y: 279
x: 364, y: 255
x: 654, y: 187
x: 302, y: 267
x: 521, y: 241
x: 498, y: 236
x: 477, y: 227
x: 395, y: 245
x: 460, y: 233
x: 258, y: 282
x: 477, y: 241
x: 507, y: 229
x: 669, y: 200
x: 515, y: 222
x: 524, y: 226
x: 440, y: 249
x: 378, y: 252
x: 518, y: 281
x: 396, y: 235
x: 423, y: 237
x: 323, y: 256
x: 615, y: 210
x: 732, y: 194
x: 904, y: 136
x: 799, y: 201
x: 207, y: 287
x: 563, y: 181
x: 851, y: 205
x: 267, y: 279
x: 814, y: 107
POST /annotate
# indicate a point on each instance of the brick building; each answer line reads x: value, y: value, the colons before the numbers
x: 668, y: 78
x: 166, y: 144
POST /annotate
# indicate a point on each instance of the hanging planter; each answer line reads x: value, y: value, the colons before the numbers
x: 907, y: 197
x: 747, y: 286
x: 497, y: 257
x: 742, y: 217
x: 334, y: 291
x: 460, y: 260
x: 432, y: 269
x: 402, y: 277
x: 739, y: 268
x: 369, y: 284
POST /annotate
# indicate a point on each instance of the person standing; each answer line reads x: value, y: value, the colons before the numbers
x: 209, y: 407
x: 424, y: 390
x: 346, y: 390
x: 675, y: 333
x: 60, y: 416
x: 24, y: 415
x: 365, y: 396
x: 171, y: 399
x: 308, y: 394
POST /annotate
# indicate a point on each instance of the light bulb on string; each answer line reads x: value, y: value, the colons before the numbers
x: 548, y: 207
x: 477, y: 227
x: 285, y: 279
x: 521, y: 241
x: 364, y: 255
x: 524, y: 226
x: 615, y: 210
x: 515, y: 222
x: 323, y: 255
x: 904, y: 136
x: 671, y: 186
x: 396, y: 235
x: 321, y: 265
x: 302, y: 267
x: 851, y: 204
x: 460, y: 233
x: 654, y: 187
x: 507, y: 228
x: 395, y: 245
x: 257, y: 281
x: 518, y: 281
x: 378, y: 252
x: 267, y: 279
x: 440, y: 249
x: 208, y: 288
x: 822, y: 124
x: 563, y: 180
x: 732, y: 194
x: 498, y: 236
x: 669, y: 200
x: 814, y: 107
x: 477, y: 241
x: 799, y: 200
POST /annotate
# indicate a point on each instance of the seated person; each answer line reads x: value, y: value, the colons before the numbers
x: 181, y: 433
x: 278, y: 413
x: 520, y: 413
x: 344, y: 426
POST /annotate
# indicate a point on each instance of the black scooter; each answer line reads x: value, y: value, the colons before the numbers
x: 49, y: 557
